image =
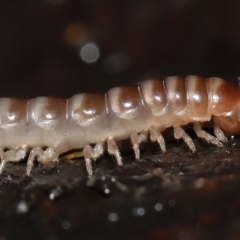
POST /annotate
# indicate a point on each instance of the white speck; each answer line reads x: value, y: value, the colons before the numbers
x: 157, y: 98
x: 66, y: 225
x: 158, y: 207
x: 196, y: 97
x: 113, y: 217
x: 89, y: 111
x: 89, y: 53
x: 128, y: 104
x: 103, y: 178
x: 106, y: 191
x: 113, y: 179
x: 139, y: 211
x: 178, y: 96
x: 22, y: 207
x: 53, y: 194
x: 215, y: 98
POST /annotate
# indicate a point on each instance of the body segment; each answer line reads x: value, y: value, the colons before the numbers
x: 131, y: 112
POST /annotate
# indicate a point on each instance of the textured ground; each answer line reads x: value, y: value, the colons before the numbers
x: 178, y: 195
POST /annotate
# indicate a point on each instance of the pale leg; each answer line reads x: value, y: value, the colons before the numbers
x: 208, y: 137
x: 49, y: 155
x: 155, y: 135
x: 180, y: 133
x: 13, y: 155
x: 219, y: 133
x: 113, y: 149
x: 3, y: 161
x: 90, y: 153
x: 136, y: 139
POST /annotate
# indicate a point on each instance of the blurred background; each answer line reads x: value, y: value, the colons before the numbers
x: 63, y: 47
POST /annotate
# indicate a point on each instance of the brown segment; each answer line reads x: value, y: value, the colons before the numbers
x: 17, y: 111
x: 154, y: 95
x: 129, y: 98
x: 177, y: 93
x: 225, y: 96
x: 124, y: 99
x: 198, y: 97
x: 229, y: 124
x: 92, y: 105
x: 54, y: 109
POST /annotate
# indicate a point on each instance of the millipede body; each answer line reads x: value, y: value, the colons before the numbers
x: 48, y: 127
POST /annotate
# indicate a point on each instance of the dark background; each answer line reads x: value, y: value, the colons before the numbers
x: 177, y: 195
x: 40, y: 43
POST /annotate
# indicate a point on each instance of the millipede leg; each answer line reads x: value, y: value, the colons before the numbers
x: 90, y: 153
x: 136, y: 139
x: 13, y: 155
x: 219, y: 133
x: 155, y: 135
x: 180, y: 133
x: 208, y: 137
x: 49, y: 155
x: 113, y: 149
x: 3, y: 161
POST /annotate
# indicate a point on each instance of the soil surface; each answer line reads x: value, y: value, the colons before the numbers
x: 176, y: 195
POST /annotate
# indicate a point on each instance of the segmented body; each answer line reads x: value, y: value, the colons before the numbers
x: 123, y: 112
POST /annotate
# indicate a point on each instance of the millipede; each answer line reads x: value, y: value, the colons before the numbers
x: 43, y: 128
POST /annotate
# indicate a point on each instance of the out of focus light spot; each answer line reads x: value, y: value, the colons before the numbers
x: 56, y: 2
x: 22, y: 207
x: 116, y: 63
x: 178, y: 3
x: 139, y: 211
x: 89, y: 53
x: 158, y: 207
x: 74, y: 34
x: 66, y: 225
x: 106, y: 190
x: 113, y: 217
